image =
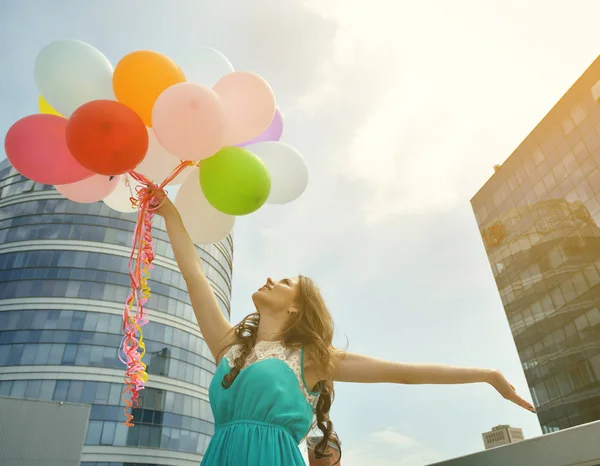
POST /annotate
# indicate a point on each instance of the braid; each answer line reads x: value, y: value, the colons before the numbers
x: 324, y: 423
x: 245, y: 333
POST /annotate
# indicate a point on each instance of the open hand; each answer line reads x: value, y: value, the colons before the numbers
x: 505, y: 389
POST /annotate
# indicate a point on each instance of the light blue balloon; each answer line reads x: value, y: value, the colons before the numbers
x: 204, y: 65
x: 69, y: 73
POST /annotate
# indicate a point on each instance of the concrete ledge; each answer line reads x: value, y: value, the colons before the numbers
x: 577, y: 446
x: 138, y: 455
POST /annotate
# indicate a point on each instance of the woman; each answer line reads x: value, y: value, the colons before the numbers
x: 276, y: 368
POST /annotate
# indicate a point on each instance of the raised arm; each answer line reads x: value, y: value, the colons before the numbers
x: 352, y: 367
x: 214, y: 326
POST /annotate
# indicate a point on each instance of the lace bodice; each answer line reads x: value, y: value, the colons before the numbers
x: 293, y: 357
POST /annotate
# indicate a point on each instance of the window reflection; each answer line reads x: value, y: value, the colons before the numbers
x: 155, y: 408
x: 25, y: 274
x: 35, y: 225
x: 43, y: 324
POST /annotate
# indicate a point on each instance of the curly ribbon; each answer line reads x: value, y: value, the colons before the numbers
x: 133, y: 348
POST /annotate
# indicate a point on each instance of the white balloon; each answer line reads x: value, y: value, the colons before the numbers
x: 204, y: 223
x: 288, y: 170
x: 69, y: 73
x: 205, y: 66
x: 119, y: 199
x: 159, y: 163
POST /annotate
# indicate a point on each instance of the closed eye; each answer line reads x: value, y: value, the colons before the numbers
x: 286, y: 281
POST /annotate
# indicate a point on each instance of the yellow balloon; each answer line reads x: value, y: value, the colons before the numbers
x: 45, y: 107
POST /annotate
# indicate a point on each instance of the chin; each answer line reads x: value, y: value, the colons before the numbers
x: 257, y: 298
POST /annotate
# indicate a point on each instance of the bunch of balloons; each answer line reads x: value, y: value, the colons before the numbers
x: 120, y: 135
x: 98, y: 124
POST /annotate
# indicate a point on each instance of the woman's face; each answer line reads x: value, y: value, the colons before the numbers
x: 276, y: 297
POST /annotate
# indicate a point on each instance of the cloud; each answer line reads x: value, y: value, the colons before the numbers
x: 386, y: 448
x: 396, y: 125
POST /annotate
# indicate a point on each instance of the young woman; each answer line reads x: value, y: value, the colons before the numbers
x: 276, y: 368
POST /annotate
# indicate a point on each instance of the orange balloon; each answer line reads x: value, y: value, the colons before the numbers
x: 140, y: 77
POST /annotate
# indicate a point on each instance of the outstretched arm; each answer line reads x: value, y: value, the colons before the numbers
x: 352, y: 367
x: 214, y: 326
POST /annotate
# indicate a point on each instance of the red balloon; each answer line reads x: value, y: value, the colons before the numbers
x: 107, y: 137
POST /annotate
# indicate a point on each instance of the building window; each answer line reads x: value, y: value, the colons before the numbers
x: 567, y: 125
x: 577, y: 114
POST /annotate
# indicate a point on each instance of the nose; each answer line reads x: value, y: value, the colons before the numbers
x: 270, y: 281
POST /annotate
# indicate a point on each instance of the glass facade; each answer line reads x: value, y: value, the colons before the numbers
x: 539, y: 217
x: 63, y: 284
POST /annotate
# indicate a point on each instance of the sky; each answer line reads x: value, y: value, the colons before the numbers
x: 401, y: 110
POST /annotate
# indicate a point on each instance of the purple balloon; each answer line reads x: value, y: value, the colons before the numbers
x: 272, y: 133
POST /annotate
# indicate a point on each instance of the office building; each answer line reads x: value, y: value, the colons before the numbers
x: 502, y: 435
x: 63, y: 284
x: 539, y: 218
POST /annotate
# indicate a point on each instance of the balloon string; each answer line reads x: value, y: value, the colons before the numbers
x: 133, y: 347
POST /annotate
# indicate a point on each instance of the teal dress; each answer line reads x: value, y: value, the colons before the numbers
x: 267, y: 411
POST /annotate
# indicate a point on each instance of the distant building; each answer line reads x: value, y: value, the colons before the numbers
x: 502, y: 435
x: 539, y: 217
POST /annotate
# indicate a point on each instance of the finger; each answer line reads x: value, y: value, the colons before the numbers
x: 524, y: 404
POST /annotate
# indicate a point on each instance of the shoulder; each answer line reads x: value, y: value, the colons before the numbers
x: 322, y: 368
x: 229, y: 353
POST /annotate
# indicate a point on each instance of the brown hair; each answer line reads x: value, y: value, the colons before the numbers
x: 312, y: 328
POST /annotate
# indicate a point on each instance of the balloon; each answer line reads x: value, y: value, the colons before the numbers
x: 46, y: 108
x: 188, y: 121
x: 235, y: 181
x: 159, y: 163
x: 92, y: 189
x: 204, y: 223
x: 272, y: 133
x: 36, y: 146
x: 206, y: 66
x: 141, y: 77
x: 69, y: 73
x: 107, y: 137
x: 249, y: 105
x: 119, y: 199
x: 288, y: 170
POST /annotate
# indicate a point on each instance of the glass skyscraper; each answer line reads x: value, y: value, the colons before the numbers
x: 539, y: 218
x: 63, y: 284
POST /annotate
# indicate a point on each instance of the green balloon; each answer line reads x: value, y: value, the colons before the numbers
x: 235, y: 181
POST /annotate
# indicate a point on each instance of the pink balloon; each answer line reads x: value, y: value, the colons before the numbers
x: 188, y: 121
x: 159, y: 163
x: 90, y: 190
x: 37, y: 147
x: 249, y: 105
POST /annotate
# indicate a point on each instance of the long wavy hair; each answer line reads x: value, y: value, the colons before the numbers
x: 312, y: 328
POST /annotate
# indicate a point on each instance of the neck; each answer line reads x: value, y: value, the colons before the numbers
x: 269, y: 328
